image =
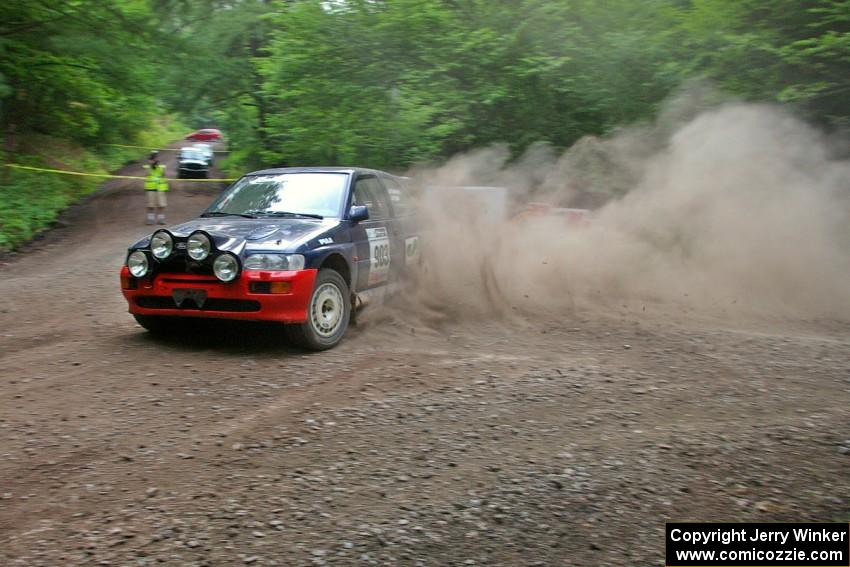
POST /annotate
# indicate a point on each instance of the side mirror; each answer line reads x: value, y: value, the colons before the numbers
x: 358, y: 213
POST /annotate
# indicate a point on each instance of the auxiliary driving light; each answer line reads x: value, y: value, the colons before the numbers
x: 226, y: 267
x: 162, y: 244
x: 198, y: 247
x: 137, y: 263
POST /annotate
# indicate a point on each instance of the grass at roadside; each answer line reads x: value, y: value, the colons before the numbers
x: 31, y: 201
x: 164, y: 130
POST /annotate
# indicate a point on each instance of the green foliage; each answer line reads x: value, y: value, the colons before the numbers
x: 157, y: 133
x: 392, y: 83
x: 211, y: 73
x: 82, y: 70
x: 31, y: 200
x: 389, y: 84
x: 32, y: 203
x: 795, y: 51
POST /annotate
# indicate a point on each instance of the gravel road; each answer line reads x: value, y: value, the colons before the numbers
x: 544, y: 439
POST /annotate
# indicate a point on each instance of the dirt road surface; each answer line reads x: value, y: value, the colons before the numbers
x: 549, y: 439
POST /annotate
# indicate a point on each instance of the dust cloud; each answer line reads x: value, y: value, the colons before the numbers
x: 741, y: 208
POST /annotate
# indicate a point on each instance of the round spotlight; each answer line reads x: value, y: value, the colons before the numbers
x: 137, y: 263
x: 198, y: 247
x: 162, y: 244
x: 226, y: 267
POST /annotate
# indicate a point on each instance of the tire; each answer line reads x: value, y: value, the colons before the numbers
x: 169, y: 326
x: 155, y: 324
x: 328, y: 313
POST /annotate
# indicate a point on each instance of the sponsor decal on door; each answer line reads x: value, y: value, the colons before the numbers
x: 411, y: 250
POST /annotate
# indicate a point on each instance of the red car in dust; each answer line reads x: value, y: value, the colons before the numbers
x: 205, y: 135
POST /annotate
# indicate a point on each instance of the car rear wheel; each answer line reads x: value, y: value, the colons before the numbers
x: 328, y: 313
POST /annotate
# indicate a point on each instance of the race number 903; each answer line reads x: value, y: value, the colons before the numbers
x: 380, y: 256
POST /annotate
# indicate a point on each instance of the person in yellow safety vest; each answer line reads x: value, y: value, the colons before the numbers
x: 156, y: 186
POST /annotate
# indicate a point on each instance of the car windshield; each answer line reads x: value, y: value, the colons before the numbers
x: 191, y: 154
x: 311, y: 194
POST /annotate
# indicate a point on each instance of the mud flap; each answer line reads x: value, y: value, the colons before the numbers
x: 374, y: 296
x: 357, y: 305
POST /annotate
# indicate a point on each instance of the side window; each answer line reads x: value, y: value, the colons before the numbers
x: 368, y: 192
x: 399, y: 196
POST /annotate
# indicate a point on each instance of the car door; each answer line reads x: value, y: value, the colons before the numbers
x: 373, y: 237
x: 405, y: 225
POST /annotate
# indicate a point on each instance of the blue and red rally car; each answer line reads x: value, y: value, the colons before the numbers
x: 298, y: 246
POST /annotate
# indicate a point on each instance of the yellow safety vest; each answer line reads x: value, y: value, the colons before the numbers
x: 156, y: 180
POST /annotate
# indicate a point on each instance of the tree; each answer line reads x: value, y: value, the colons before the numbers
x: 59, y: 77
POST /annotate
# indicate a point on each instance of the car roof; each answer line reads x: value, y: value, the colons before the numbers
x: 318, y: 169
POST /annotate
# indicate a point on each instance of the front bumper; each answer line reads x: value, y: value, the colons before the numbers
x: 240, y: 299
x: 193, y: 172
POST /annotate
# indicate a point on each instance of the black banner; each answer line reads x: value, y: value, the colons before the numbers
x: 757, y: 545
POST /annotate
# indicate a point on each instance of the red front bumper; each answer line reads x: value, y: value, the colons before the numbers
x: 235, y: 300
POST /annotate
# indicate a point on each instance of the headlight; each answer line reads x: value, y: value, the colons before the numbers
x: 137, y: 262
x: 226, y: 267
x: 274, y: 262
x: 161, y: 245
x: 198, y: 246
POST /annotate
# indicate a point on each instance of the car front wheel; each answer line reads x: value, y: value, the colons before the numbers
x: 154, y: 324
x: 328, y: 313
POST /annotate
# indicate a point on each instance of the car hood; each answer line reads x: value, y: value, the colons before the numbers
x: 192, y: 161
x: 271, y: 235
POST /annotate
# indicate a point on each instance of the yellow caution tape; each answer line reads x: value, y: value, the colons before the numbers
x: 104, y: 175
x: 159, y: 149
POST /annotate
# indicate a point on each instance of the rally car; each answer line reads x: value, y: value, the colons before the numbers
x: 298, y: 246
x: 206, y: 151
x: 205, y: 135
x: 191, y: 162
